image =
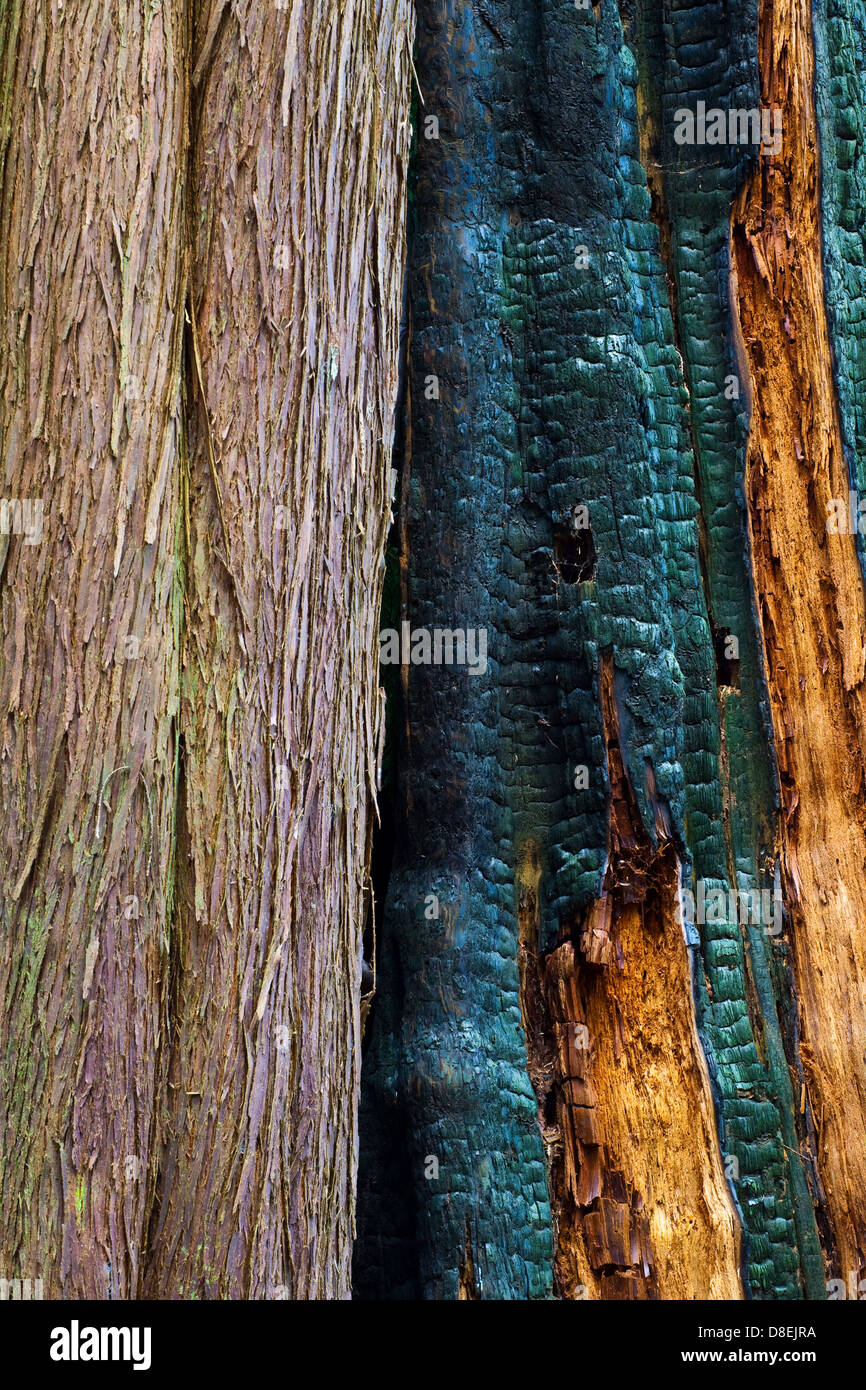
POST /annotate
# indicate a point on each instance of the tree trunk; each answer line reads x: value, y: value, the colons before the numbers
x: 91, y: 309
x: 614, y: 1041
x: 188, y: 673
x: 300, y: 139
x: 630, y: 413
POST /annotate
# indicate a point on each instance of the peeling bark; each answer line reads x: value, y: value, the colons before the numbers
x: 91, y: 288
x: 188, y: 677
x: 299, y: 146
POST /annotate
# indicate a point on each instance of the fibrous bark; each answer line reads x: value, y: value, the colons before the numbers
x: 202, y: 212
x: 299, y: 143
x: 91, y: 303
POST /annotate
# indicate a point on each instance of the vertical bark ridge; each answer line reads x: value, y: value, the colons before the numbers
x: 92, y: 135
x: 300, y: 142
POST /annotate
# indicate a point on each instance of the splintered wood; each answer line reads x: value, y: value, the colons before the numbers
x: 809, y: 588
x: 641, y: 1204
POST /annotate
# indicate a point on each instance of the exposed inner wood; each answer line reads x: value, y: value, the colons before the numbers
x: 467, y: 1286
x: 811, y: 605
x: 639, y: 1192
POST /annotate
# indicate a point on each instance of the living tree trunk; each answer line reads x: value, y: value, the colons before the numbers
x: 92, y: 148
x: 202, y: 214
x: 296, y: 193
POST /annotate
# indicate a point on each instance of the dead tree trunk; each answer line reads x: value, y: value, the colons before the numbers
x: 635, y: 393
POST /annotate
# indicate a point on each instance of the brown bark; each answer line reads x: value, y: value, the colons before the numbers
x: 188, y: 681
x: 300, y: 142
x: 91, y: 282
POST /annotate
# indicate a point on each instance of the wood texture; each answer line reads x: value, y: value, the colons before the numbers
x: 627, y: 378
x: 202, y: 258
x: 813, y: 615
x: 641, y: 1201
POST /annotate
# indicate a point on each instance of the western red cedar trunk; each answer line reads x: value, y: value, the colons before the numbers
x: 191, y: 712
x: 300, y: 138
x: 92, y: 133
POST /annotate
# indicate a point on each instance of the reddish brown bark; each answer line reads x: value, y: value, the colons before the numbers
x: 91, y: 282
x: 184, y: 878
x: 812, y: 611
x: 300, y: 141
